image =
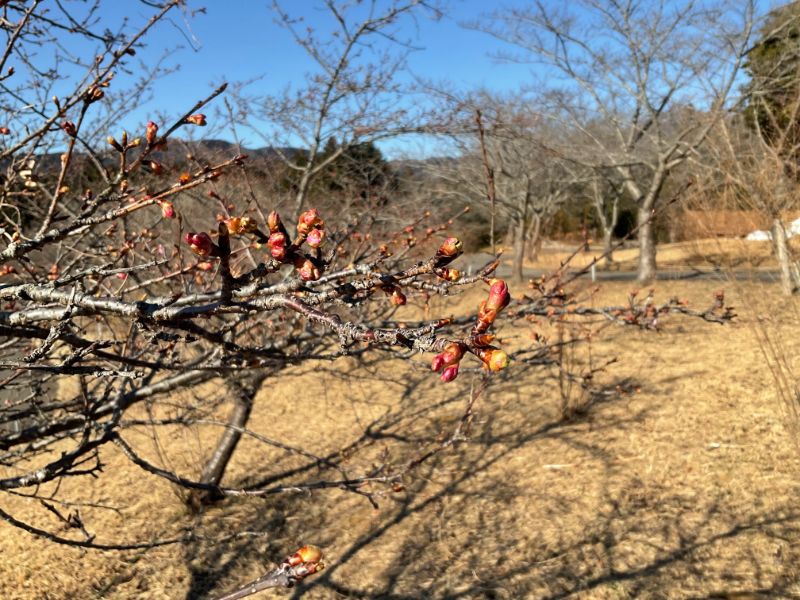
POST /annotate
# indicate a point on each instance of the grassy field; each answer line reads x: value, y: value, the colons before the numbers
x: 677, y: 479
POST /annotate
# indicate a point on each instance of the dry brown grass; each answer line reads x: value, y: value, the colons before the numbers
x: 721, y: 253
x: 682, y: 485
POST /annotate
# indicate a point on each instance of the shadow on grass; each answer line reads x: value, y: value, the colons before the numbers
x: 633, y: 541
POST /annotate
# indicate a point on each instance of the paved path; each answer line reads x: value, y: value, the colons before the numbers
x: 472, y: 262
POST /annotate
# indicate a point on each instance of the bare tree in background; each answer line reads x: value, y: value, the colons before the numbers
x: 352, y: 97
x: 605, y: 194
x: 626, y: 67
x: 529, y: 183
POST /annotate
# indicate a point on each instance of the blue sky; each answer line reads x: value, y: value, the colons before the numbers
x: 238, y: 40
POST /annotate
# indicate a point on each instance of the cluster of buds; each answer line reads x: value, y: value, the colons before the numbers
x: 7, y: 270
x: 494, y: 359
x: 308, y: 223
x: 201, y: 244
x: 489, y: 309
x: 306, y: 561
x: 448, y: 360
x: 278, y: 241
x: 311, y: 230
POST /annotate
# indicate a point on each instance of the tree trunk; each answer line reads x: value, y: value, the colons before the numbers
x: 647, y: 246
x: 533, y: 238
x: 242, y: 397
x: 782, y: 254
x: 608, y: 240
x: 519, y: 251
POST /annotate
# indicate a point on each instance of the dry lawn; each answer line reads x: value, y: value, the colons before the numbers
x: 711, y: 253
x: 679, y: 479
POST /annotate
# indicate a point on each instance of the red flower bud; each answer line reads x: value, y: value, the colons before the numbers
x: 69, y: 128
x: 200, y: 243
x: 451, y: 248
x: 397, y: 298
x: 498, y: 295
x: 449, y: 373
x: 489, y: 308
x: 204, y: 266
x: 184, y: 178
x: 198, y: 119
x: 151, y: 132
x: 451, y: 355
x: 4, y: 131
x: 315, y: 238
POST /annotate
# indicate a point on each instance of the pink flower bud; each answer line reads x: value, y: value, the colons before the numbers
x: 449, y: 373
x: 122, y: 276
x: 277, y: 245
x: 155, y: 167
x: 315, y: 238
x: 309, y: 220
x: 198, y: 119
x: 308, y: 271
x: 151, y: 132
x: 4, y: 131
x: 167, y: 210
x: 204, y: 266
x: 200, y: 243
